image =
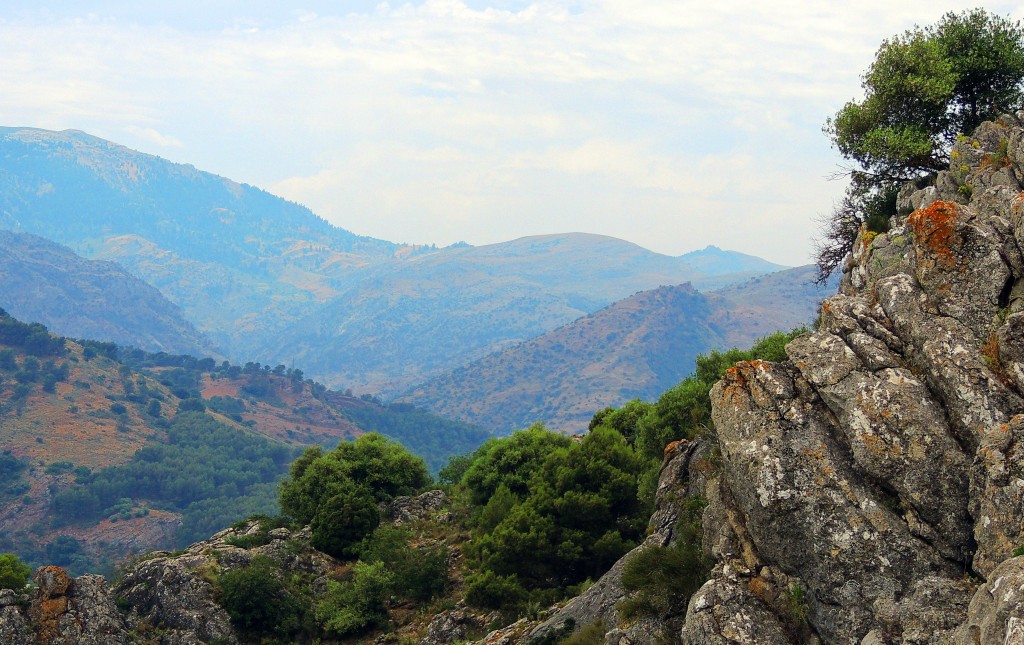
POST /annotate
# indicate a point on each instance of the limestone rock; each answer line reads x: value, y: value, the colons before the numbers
x: 14, y: 627
x: 450, y: 626
x: 999, y: 495
x: 724, y: 611
x: 404, y: 509
x: 884, y: 460
x: 68, y: 611
x: 806, y: 506
x: 171, y: 593
x: 996, y: 613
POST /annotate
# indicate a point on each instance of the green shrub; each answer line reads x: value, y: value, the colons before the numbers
x: 248, y: 541
x: 357, y: 604
x: 420, y: 573
x: 662, y: 579
x: 376, y: 464
x: 14, y: 573
x: 488, y: 590
x: 592, y: 634
x: 259, y: 601
x: 342, y: 521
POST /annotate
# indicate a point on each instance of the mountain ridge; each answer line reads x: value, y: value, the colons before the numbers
x: 637, y: 347
x: 48, y: 283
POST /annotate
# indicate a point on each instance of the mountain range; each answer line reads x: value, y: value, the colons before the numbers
x: 266, y: 279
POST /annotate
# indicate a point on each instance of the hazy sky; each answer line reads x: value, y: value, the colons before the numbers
x: 672, y: 124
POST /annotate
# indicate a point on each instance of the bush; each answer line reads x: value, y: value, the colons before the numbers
x: 419, y: 573
x: 358, y: 603
x: 375, y: 464
x: 259, y: 601
x: 489, y: 590
x: 662, y: 579
x: 342, y: 521
x: 14, y: 573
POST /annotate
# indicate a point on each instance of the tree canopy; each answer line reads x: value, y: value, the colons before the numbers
x: 337, y: 492
x: 924, y: 87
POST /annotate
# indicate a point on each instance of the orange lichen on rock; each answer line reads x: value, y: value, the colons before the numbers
x: 53, y: 583
x: 1018, y: 203
x: 670, y: 449
x: 734, y: 376
x: 762, y: 589
x: 935, y: 228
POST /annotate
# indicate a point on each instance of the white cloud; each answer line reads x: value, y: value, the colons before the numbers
x: 671, y: 123
x: 151, y: 135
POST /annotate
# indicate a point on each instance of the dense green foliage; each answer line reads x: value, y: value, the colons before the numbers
x: 418, y: 573
x: 510, y: 461
x: 342, y: 520
x: 13, y: 572
x: 356, y: 603
x: 337, y: 492
x: 260, y: 601
x: 923, y: 88
x: 550, y: 513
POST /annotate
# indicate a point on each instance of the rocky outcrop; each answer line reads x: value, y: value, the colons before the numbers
x: 166, y: 598
x: 63, y: 611
x: 881, y: 466
x: 404, y: 509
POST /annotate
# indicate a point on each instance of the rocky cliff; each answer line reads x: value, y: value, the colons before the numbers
x: 880, y: 470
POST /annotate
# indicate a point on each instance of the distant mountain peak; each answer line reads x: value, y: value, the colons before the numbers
x: 714, y: 260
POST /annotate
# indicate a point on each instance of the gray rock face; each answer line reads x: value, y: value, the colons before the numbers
x: 996, y: 613
x: 450, y: 626
x: 14, y: 628
x: 171, y: 593
x: 66, y: 611
x: 404, y: 509
x: 725, y: 611
x: 882, y: 465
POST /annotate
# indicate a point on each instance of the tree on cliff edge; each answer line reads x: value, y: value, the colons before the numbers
x: 924, y: 88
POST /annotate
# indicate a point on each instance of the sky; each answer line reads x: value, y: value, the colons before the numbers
x: 669, y: 123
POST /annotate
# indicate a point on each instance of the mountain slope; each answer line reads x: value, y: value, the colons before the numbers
x: 566, y: 375
x: 116, y: 450
x: 50, y: 284
x: 715, y: 261
x: 222, y: 250
x: 406, y: 322
x: 70, y: 186
x: 635, y: 348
